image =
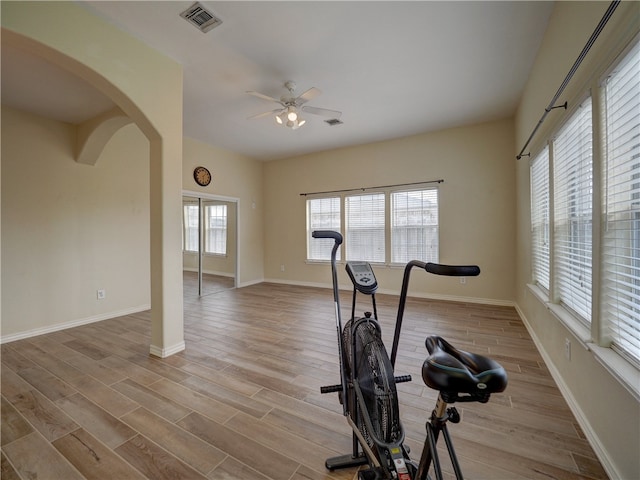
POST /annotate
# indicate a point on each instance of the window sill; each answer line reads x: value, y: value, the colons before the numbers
x: 320, y: 262
x: 575, y: 326
x: 571, y: 323
x: 621, y: 369
x: 539, y: 293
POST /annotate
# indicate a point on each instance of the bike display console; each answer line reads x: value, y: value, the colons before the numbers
x: 362, y: 277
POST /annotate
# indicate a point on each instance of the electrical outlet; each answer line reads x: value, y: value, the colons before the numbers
x: 463, y: 280
x: 101, y: 294
x: 567, y: 349
x: 282, y: 268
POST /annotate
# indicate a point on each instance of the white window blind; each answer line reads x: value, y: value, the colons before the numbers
x: 414, y: 226
x: 573, y: 171
x: 365, y: 217
x: 216, y: 229
x: 190, y: 228
x: 621, y: 243
x: 540, y: 218
x: 322, y: 214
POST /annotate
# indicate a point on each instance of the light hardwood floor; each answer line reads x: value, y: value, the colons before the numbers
x: 242, y: 401
x: 210, y: 284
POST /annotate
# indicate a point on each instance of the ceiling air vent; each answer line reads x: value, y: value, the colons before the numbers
x: 334, y: 121
x: 200, y: 17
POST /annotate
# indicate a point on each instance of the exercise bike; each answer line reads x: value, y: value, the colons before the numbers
x: 367, y: 389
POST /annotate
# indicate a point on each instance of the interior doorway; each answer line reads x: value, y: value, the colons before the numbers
x: 209, y: 244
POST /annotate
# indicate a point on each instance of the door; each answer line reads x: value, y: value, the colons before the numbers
x: 209, y: 252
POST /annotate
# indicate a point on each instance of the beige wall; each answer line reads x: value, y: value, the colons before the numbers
x: 607, y: 411
x: 64, y: 223
x: 69, y: 229
x: 238, y: 177
x: 123, y: 68
x: 476, y: 206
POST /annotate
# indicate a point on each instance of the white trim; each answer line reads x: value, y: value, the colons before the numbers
x: 209, y: 272
x: 74, y: 323
x: 449, y: 298
x: 570, y: 322
x: 583, y: 421
x: 210, y: 196
x: 224, y: 198
x: 166, y: 352
x: 619, y: 368
x: 249, y: 283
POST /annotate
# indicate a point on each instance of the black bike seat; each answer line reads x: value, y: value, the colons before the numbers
x: 448, y: 369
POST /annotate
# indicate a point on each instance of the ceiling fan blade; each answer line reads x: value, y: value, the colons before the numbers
x: 310, y: 94
x: 263, y: 96
x: 324, y: 112
x: 266, y: 114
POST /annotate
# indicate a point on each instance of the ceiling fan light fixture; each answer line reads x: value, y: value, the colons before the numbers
x: 298, y: 123
x: 291, y: 107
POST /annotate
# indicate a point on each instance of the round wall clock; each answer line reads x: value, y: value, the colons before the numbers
x: 202, y: 176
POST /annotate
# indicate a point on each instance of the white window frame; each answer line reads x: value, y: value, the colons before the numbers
x: 215, y: 231
x: 365, y: 227
x: 385, y: 242
x: 188, y: 212
x: 595, y: 337
x: 415, y: 214
x: 540, y: 220
x: 190, y: 228
x: 323, y: 213
x: 572, y: 159
x: 620, y: 284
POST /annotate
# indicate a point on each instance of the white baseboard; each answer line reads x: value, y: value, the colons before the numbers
x: 166, y: 352
x: 74, y: 323
x: 248, y: 284
x: 582, y: 420
x: 450, y: 298
x: 210, y: 272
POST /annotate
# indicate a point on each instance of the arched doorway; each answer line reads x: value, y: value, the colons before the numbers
x: 123, y: 69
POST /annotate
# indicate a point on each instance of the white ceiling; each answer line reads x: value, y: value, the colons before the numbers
x: 393, y: 68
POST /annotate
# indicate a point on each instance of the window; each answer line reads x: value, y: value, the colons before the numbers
x: 621, y: 209
x: 564, y: 194
x: 322, y: 214
x: 411, y: 222
x: 190, y: 228
x: 365, y: 221
x: 540, y: 219
x: 573, y: 210
x: 414, y: 226
x: 215, y: 228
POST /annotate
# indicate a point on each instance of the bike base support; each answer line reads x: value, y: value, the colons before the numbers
x: 345, y: 461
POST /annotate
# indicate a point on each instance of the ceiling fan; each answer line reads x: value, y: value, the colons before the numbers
x: 289, y: 112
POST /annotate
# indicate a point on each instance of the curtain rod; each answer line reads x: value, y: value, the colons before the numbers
x: 583, y: 54
x: 362, y: 189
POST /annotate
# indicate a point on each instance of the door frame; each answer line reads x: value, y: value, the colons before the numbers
x: 223, y: 198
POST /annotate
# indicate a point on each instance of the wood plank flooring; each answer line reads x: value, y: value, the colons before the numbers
x: 211, y: 284
x: 243, y: 400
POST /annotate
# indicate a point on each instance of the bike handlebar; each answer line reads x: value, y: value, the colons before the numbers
x: 436, y: 269
x: 327, y: 234
x: 453, y: 270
